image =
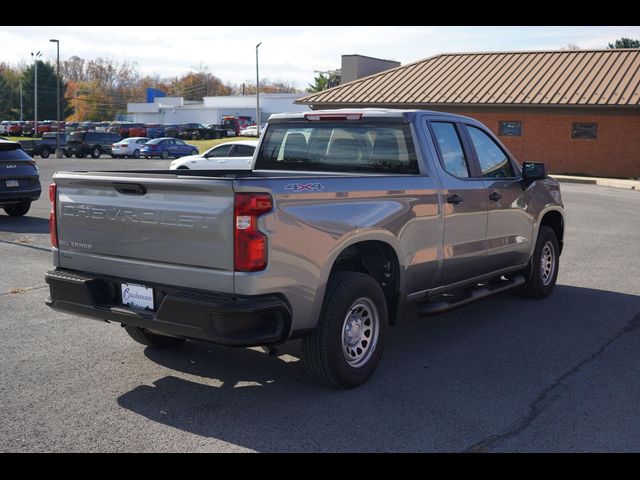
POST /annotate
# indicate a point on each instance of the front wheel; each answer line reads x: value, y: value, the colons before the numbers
x: 542, y: 272
x: 136, y: 154
x: 155, y: 340
x: 19, y: 209
x: 164, y: 155
x: 194, y: 152
x: 44, y: 153
x: 347, y: 344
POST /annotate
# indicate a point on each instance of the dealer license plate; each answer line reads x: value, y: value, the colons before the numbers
x: 137, y: 296
x: 12, y: 183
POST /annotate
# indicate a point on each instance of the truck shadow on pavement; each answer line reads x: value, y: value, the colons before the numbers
x: 445, y: 383
x: 24, y: 224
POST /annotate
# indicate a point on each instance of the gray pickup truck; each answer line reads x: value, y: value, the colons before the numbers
x: 347, y: 216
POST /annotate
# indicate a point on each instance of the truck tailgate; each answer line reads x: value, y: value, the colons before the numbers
x: 155, y: 228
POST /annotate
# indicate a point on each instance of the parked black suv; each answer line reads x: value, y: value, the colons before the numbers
x: 82, y: 144
x: 19, y: 181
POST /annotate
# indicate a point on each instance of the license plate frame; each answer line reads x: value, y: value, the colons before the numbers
x: 135, y: 295
x: 12, y: 183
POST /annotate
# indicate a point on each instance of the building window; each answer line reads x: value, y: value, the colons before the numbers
x: 510, y: 128
x: 584, y: 130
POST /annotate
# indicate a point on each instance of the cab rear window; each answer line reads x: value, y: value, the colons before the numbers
x: 339, y: 147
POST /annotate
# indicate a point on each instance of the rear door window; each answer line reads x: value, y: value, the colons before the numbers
x: 243, y: 151
x: 452, y: 154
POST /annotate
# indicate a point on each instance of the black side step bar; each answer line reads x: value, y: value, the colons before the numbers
x: 433, y: 307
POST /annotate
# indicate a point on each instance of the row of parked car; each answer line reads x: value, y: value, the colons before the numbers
x: 82, y: 144
x: 230, y: 126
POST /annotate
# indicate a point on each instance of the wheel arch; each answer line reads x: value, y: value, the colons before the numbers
x: 376, y: 256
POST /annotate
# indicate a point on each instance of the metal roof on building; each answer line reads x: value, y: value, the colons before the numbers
x: 565, y: 78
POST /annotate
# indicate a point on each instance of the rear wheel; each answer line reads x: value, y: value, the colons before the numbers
x: 80, y: 155
x: 542, y: 272
x: 45, y: 153
x: 96, y: 152
x: 347, y: 344
x: 136, y: 154
x: 155, y: 340
x: 194, y: 152
x: 164, y: 155
x: 182, y: 167
x: 19, y: 209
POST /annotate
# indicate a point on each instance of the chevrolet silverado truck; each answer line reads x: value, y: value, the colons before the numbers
x: 346, y: 216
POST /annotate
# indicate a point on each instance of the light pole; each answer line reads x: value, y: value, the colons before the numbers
x: 58, y: 149
x: 257, y: 91
x: 35, y: 94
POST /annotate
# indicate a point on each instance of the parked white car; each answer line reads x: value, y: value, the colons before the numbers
x: 236, y: 155
x: 128, y: 147
x: 4, y: 127
x: 250, y: 131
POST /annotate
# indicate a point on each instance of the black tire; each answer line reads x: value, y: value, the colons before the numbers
x: 96, y: 152
x: 164, y: 155
x: 145, y: 337
x: 19, y: 209
x: 68, y: 155
x: 194, y: 152
x: 114, y: 156
x: 182, y: 167
x: 136, y: 153
x: 323, y: 349
x: 81, y: 155
x: 539, y: 281
x: 44, y: 153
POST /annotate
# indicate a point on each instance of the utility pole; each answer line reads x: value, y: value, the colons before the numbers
x: 257, y: 91
x: 35, y: 94
x: 21, y: 101
x: 59, y: 153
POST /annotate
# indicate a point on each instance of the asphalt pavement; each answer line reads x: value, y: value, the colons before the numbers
x: 503, y: 374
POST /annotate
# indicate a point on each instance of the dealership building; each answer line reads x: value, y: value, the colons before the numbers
x: 578, y: 111
x: 175, y: 110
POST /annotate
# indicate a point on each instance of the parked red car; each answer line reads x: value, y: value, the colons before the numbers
x: 15, y: 129
x: 137, y: 130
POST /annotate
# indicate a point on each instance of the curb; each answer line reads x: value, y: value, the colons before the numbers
x: 602, y: 182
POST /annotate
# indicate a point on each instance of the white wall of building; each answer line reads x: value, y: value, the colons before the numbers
x: 213, y: 108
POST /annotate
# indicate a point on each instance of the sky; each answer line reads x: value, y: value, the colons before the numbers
x: 287, y: 53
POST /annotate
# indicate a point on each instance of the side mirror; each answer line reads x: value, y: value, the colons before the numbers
x: 533, y: 171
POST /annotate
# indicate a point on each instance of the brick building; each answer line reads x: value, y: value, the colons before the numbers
x: 577, y: 111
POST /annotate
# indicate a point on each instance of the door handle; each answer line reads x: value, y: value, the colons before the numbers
x: 455, y: 199
x: 495, y: 196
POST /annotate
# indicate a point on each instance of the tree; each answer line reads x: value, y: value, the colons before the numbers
x: 319, y: 83
x: 47, y: 88
x: 570, y: 46
x: 625, y: 43
x: 6, y: 99
x: 322, y: 82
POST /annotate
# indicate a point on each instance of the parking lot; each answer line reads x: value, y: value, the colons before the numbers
x: 503, y: 374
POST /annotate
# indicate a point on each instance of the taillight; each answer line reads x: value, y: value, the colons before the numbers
x: 53, y: 227
x: 250, y: 244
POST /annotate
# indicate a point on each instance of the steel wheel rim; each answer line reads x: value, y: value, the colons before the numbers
x: 547, y: 263
x: 360, y: 330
